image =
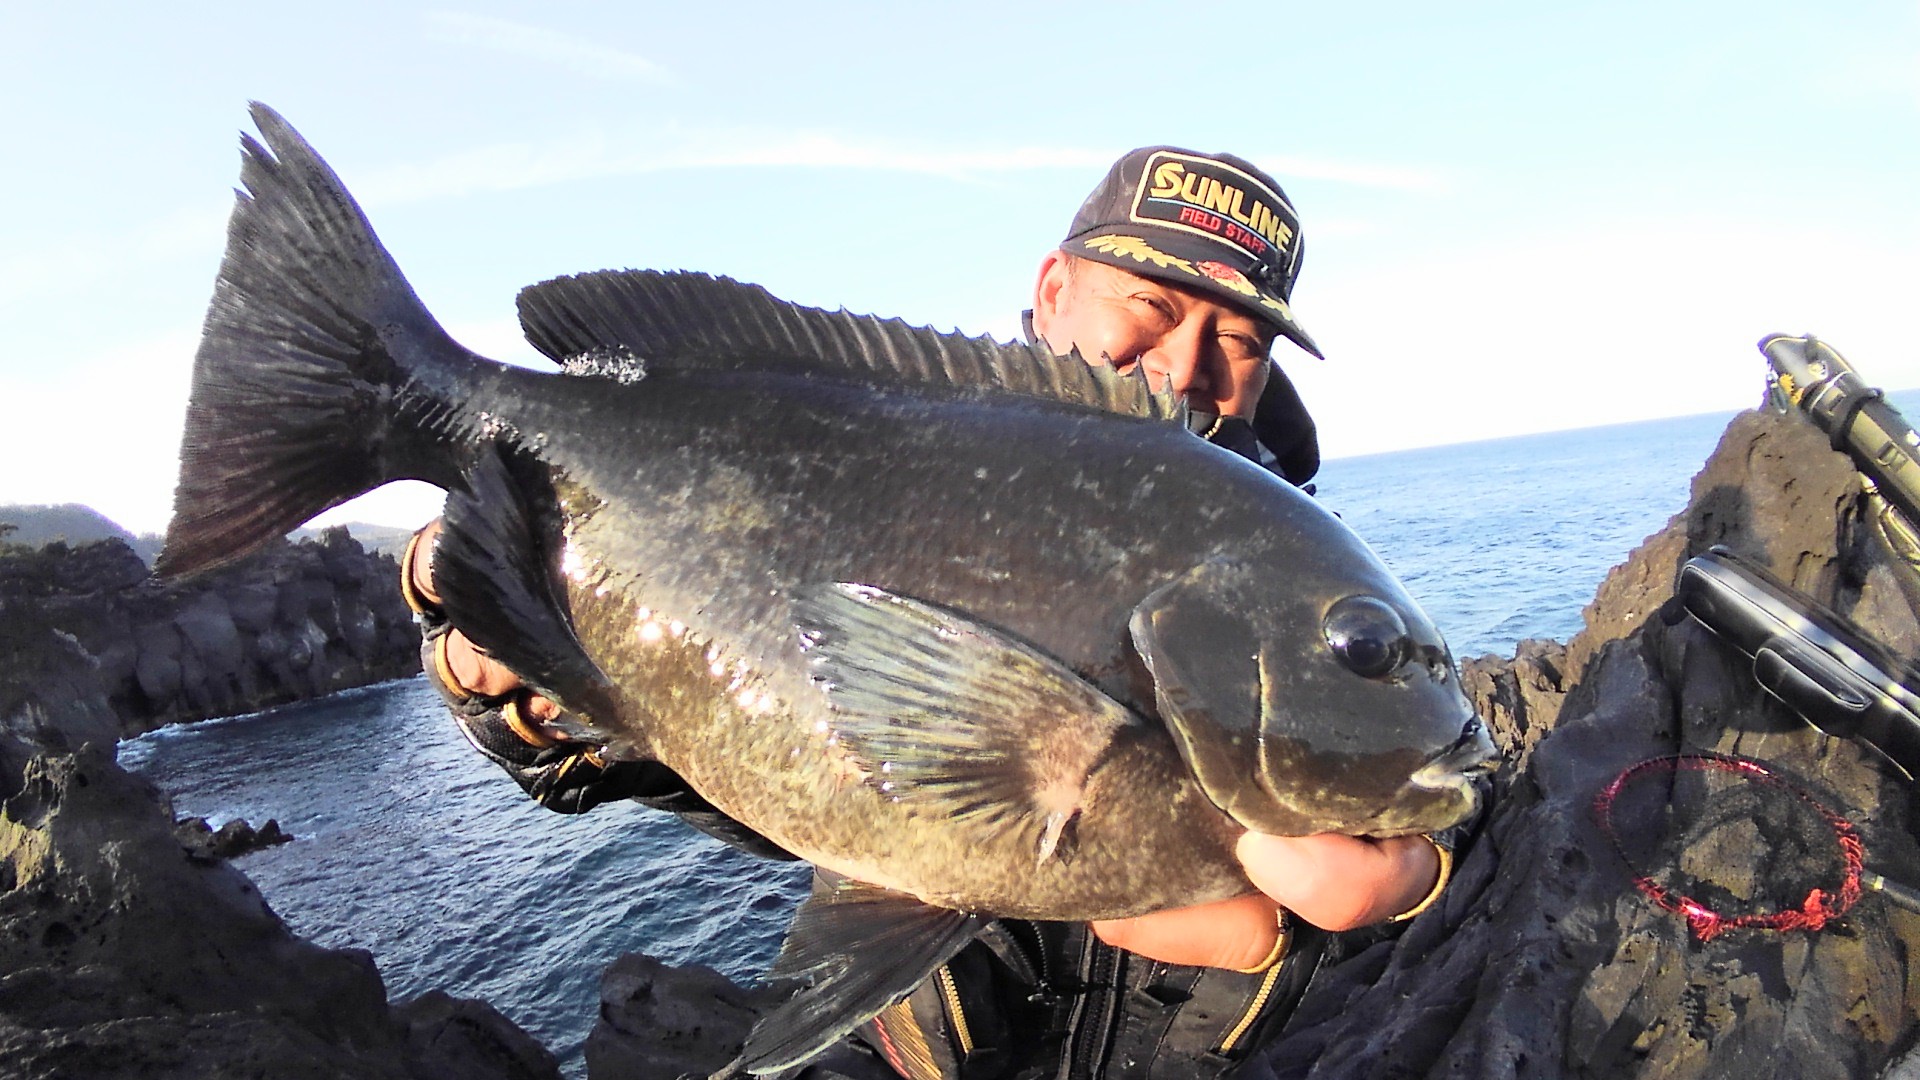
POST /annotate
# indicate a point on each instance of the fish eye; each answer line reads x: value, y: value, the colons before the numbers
x: 1368, y: 636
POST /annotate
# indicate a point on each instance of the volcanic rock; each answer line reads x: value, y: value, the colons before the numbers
x: 294, y: 622
x: 229, y: 841
x: 1544, y: 959
x: 661, y: 1022
x: 123, y: 955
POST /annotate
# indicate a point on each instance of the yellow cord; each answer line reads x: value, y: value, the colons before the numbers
x: 445, y: 670
x: 415, y: 602
x: 1282, y: 942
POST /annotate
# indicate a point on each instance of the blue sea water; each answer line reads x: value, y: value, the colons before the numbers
x: 1507, y: 539
x: 413, y: 847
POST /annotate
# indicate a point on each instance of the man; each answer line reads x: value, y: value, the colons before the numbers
x: 1181, y: 264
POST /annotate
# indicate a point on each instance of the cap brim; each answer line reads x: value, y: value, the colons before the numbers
x: 1168, y: 256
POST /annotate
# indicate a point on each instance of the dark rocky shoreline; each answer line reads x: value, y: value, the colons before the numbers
x: 122, y: 953
x: 128, y: 950
x: 296, y: 621
x: 1544, y: 960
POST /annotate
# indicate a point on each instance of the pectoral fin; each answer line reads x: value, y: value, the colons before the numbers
x: 962, y: 717
x: 494, y: 576
x: 858, y: 949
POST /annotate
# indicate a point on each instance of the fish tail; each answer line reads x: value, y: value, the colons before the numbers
x: 316, y: 377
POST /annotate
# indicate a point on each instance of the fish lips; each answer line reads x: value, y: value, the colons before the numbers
x: 1282, y: 733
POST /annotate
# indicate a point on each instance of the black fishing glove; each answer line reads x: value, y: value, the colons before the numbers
x: 565, y: 776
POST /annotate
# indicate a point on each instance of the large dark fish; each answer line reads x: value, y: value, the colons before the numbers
x: 983, y: 627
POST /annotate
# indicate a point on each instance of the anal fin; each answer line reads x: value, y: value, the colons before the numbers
x: 859, y: 949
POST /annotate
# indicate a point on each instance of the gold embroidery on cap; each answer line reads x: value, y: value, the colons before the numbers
x: 1138, y: 250
x: 1277, y: 305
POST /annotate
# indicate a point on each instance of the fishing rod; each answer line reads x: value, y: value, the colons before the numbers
x: 1812, y: 659
x: 1808, y: 374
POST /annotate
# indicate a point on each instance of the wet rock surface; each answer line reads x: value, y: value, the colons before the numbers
x: 1545, y: 959
x: 229, y: 841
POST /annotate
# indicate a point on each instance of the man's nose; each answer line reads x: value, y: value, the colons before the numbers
x: 1175, y: 366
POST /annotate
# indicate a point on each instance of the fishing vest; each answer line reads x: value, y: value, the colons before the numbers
x: 1050, y: 1001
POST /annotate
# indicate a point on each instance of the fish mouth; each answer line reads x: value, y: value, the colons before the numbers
x: 1455, y: 768
x: 1391, y: 794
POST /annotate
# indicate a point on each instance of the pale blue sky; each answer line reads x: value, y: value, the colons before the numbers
x: 1517, y: 218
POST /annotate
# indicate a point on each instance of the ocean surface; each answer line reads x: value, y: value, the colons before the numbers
x: 413, y: 847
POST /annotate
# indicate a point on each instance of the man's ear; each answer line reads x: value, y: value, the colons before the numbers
x: 1049, y: 290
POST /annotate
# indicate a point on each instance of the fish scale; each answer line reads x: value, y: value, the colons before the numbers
x: 695, y: 721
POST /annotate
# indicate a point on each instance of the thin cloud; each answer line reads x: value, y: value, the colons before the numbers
x: 1884, y: 76
x: 591, y: 156
x: 578, y: 55
x: 520, y: 166
x: 1356, y: 173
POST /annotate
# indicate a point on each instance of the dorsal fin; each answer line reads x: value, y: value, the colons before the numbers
x: 618, y: 323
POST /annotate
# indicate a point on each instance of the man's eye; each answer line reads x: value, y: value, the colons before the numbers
x: 1159, y: 304
x: 1241, y: 347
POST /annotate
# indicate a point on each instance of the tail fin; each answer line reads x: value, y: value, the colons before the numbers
x: 311, y: 346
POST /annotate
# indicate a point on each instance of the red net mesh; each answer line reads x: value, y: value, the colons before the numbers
x: 1728, y: 844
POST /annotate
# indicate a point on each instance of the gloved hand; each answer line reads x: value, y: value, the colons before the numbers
x: 511, y: 725
x: 473, y: 671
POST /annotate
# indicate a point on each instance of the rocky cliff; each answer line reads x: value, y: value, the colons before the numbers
x: 1545, y: 959
x: 294, y: 622
x: 126, y: 952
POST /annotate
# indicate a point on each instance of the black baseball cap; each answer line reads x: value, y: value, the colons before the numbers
x: 1212, y: 222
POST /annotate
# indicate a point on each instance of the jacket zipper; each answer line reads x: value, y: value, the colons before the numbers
x: 1092, y: 1036
x: 1029, y: 962
x: 1239, y: 1030
x: 956, y: 1017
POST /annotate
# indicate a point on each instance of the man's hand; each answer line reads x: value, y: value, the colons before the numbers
x: 475, y: 671
x: 1341, y: 882
x: 1334, y: 882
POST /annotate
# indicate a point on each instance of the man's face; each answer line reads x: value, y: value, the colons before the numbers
x: 1211, y: 351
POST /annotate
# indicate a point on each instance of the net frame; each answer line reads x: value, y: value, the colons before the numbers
x: 1814, y: 912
